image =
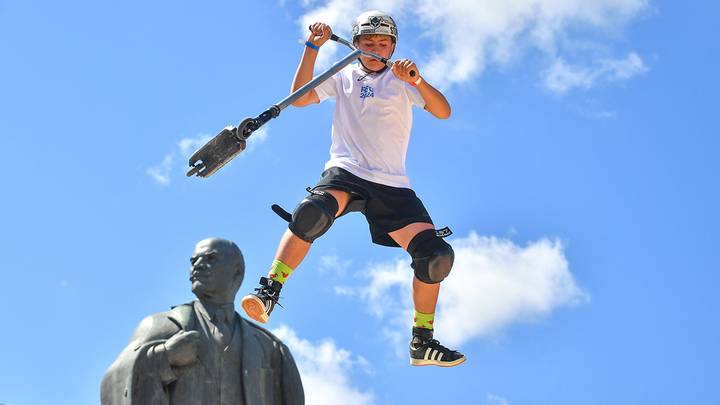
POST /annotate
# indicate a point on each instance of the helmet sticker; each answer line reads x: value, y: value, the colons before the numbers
x: 374, y: 22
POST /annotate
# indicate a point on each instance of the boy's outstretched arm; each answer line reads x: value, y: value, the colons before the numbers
x: 319, y: 34
x: 435, y: 103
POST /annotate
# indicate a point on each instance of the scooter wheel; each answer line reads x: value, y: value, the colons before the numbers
x: 246, y: 128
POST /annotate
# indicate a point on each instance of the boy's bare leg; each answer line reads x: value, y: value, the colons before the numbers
x: 424, y: 350
x: 290, y: 252
x: 425, y: 295
x: 291, y: 249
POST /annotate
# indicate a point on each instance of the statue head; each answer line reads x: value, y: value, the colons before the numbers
x: 217, y: 270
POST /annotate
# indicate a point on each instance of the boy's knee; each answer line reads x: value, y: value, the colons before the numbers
x: 314, y: 216
x: 432, y: 257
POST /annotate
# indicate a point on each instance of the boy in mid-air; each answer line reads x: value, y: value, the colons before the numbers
x: 366, y: 172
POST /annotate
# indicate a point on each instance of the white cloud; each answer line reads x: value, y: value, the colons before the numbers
x: 493, y: 399
x: 334, y: 265
x: 161, y: 172
x: 623, y: 69
x: 325, y: 370
x: 494, y: 283
x: 188, y: 146
x: 257, y: 138
x: 561, y: 77
x: 462, y: 37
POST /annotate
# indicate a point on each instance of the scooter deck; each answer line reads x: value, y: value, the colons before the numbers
x: 216, y: 153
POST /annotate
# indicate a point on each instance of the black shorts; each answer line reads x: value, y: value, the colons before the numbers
x: 386, y: 208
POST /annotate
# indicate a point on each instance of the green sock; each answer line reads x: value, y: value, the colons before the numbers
x: 424, y: 320
x: 279, y: 271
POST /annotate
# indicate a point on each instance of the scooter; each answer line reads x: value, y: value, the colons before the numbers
x: 220, y: 150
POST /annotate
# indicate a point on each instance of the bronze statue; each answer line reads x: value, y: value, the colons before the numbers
x: 203, y: 352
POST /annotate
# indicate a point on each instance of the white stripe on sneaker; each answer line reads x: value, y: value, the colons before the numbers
x: 427, y: 353
x: 440, y: 356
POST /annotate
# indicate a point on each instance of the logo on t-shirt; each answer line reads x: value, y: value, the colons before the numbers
x: 367, y: 91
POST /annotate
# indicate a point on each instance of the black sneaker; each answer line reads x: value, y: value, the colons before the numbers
x: 260, y: 304
x: 426, y: 351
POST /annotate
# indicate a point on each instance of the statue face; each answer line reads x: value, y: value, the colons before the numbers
x: 214, y: 270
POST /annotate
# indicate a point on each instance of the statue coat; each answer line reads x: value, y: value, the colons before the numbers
x: 268, y: 370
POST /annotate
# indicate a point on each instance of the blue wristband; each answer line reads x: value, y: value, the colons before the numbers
x: 312, y: 46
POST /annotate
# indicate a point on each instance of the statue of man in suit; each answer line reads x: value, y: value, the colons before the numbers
x: 203, y: 352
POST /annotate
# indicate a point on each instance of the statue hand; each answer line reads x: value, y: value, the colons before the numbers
x: 182, y: 348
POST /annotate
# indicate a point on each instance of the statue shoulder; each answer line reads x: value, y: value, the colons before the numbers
x: 263, y: 333
x: 162, y: 325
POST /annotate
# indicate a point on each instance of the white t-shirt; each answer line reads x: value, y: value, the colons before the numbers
x: 371, y: 124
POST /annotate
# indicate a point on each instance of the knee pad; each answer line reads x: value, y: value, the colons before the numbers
x: 432, y: 257
x: 314, y: 215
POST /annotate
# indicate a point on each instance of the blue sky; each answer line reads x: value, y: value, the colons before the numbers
x: 578, y: 173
